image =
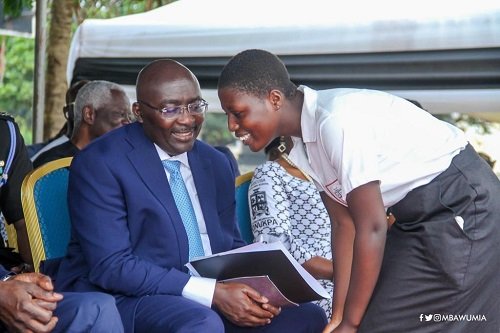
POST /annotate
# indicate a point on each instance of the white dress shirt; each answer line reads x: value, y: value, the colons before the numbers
x: 198, y: 289
x: 353, y: 136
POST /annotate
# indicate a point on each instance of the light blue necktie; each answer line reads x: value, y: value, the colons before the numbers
x: 185, y: 207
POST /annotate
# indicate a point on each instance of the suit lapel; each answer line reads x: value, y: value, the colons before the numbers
x: 147, y: 164
x: 204, y: 180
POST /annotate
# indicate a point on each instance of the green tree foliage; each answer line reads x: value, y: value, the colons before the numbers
x: 16, y: 90
x: 465, y: 121
x: 14, y: 8
x: 112, y: 8
x: 215, y: 130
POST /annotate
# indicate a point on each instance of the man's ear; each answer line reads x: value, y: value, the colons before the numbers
x: 137, y: 111
x: 88, y: 115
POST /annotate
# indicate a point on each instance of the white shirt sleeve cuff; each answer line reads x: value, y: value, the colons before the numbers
x: 200, y: 290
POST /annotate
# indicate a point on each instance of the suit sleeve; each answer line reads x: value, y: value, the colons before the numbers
x: 3, y: 271
x: 98, y: 209
x: 225, y: 184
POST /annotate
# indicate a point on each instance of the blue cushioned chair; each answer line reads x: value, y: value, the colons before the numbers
x: 242, y: 210
x: 44, y: 199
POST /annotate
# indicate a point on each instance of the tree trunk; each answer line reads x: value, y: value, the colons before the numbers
x: 57, y: 59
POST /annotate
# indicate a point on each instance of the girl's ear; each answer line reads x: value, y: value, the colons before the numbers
x: 276, y: 99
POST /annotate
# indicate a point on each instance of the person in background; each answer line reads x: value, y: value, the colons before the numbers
x: 147, y: 198
x: 14, y: 166
x: 286, y: 206
x: 28, y: 302
x: 368, y: 151
x: 487, y: 158
x: 232, y: 159
x: 100, y: 106
x: 66, y: 131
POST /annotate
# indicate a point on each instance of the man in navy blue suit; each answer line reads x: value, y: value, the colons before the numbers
x: 128, y: 236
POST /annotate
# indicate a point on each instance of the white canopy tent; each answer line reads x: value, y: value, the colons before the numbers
x: 444, y: 54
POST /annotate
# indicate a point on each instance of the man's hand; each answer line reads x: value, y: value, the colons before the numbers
x: 243, y: 305
x: 27, y: 302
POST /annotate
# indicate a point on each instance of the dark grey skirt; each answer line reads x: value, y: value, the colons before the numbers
x: 441, y: 266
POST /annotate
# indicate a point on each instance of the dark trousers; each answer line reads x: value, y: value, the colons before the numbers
x: 166, y: 313
x: 91, y: 312
x: 436, y: 276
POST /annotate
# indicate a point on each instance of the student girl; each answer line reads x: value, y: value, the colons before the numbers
x: 436, y: 269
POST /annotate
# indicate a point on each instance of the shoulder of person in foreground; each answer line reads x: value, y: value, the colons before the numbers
x: 109, y: 145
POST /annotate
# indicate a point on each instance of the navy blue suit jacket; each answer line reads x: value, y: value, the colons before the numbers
x: 128, y: 238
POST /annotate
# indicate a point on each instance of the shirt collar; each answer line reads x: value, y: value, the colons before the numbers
x: 298, y: 155
x: 307, y: 118
x: 183, y: 158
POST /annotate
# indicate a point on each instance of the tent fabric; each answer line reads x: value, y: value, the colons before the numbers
x: 444, y: 69
x: 387, y: 44
x: 211, y: 28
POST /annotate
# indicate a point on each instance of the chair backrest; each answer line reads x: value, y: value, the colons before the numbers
x: 44, y: 198
x: 242, y: 210
x: 11, y: 236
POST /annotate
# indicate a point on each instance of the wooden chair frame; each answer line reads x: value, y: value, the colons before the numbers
x: 29, y: 207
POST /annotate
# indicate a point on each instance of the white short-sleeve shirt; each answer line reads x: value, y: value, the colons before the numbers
x: 354, y: 136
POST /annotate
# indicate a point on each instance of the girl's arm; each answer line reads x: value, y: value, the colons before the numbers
x: 342, y: 244
x: 368, y: 213
x: 319, y: 267
x: 366, y: 250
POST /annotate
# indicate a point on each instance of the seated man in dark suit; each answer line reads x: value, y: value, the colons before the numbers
x: 148, y: 197
x: 65, y: 133
x: 100, y: 106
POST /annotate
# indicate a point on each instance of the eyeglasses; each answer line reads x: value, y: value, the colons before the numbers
x: 174, y: 111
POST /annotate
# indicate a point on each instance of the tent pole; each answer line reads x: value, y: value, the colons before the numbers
x: 39, y: 79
